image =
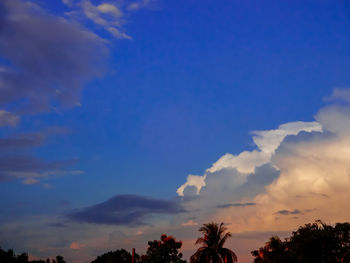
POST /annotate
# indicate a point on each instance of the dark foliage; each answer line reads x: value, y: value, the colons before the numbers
x: 118, y: 256
x: 312, y: 243
x: 10, y: 257
x: 165, y: 250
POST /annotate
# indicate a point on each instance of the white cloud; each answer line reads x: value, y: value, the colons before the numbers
x: 196, y: 181
x: 246, y: 162
x: 268, y: 141
x: 314, y: 176
x: 110, y: 9
x: 312, y: 180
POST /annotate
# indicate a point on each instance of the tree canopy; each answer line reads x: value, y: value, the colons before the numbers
x: 165, y: 250
x: 311, y: 243
x: 118, y: 256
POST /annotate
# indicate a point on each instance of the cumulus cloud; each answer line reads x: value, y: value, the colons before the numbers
x: 314, y: 172
x: 305, y: 176
x: 127, y: 210
x: 246, y: 162
x: 192, y: 180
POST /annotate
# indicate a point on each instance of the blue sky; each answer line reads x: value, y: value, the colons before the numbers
x: 128, y: 98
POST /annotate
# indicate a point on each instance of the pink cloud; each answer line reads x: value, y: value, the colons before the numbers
x: 76, y: 245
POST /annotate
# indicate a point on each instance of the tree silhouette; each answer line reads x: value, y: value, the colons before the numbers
x: 118, y: 256
x: 212, y: 249
x: 311, y: 243
x: 274, y: 251
x: 59, y: 259
x: 165, y: 250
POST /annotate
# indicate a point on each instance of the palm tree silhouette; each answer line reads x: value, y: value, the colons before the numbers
x: 212, y: 249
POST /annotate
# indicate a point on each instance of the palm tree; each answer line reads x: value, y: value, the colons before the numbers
x: 212, y: 249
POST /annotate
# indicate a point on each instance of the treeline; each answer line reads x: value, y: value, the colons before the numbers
x: 312, y: 243
x: 8, y: 256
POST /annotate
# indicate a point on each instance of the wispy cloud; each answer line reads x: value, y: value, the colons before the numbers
x: 29, y: 170
x: 108, y: 15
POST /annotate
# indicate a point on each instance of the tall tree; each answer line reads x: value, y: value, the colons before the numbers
x: 212, y: 249
x: 165, y: 250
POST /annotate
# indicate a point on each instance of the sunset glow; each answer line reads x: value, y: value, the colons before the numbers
x: 122, y: 121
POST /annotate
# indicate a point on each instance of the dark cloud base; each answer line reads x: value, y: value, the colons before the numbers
x: 128, y: 210
x: 236, y: 205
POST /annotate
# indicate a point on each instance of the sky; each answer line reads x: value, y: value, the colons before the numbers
x: 122, y: 120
